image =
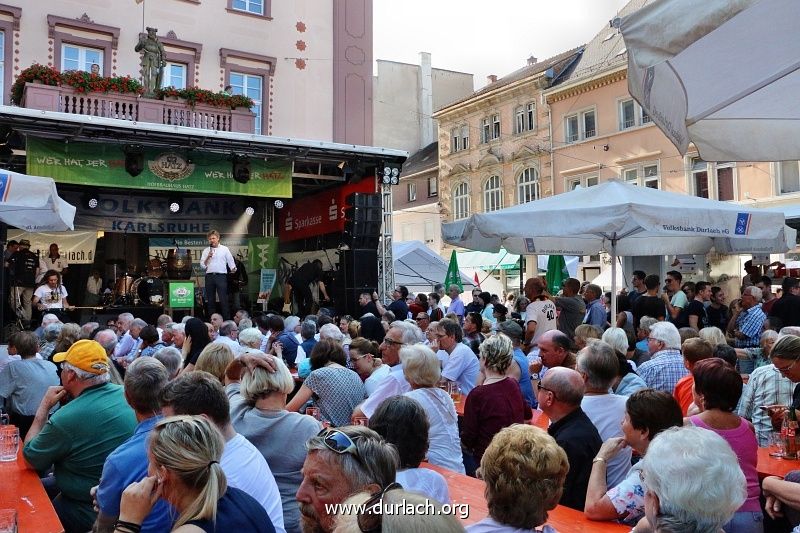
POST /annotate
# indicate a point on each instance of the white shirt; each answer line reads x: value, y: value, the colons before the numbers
x: 247, y: 470
x: 378, y: 375
x: 235, y: 347
x: 222, y: 257
x: 395, y: 384
x: 51, y: 298
x: 543, y: 312
x: 461, y: 366
x: 93, y: 285
x: 426, y: 482
x: 606, y: 413
x: 444, y: 443
x: 58, y: 264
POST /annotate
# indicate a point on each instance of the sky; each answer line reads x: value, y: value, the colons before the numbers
x: 484, y: 38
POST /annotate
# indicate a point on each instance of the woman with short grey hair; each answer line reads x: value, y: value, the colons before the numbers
x: 250, y: 338
x: 421, y: 370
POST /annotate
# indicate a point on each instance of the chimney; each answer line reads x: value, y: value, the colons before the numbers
x: 532, y: 60
x: 491, y: 78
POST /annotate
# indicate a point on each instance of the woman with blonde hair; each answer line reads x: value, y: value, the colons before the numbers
x: 713, y: 335
x: 68, y: 335
x: 214, y: 359
x: 493, y: 405
x: 184, y: 470
x: 524, y: 470
x: 258, y: 411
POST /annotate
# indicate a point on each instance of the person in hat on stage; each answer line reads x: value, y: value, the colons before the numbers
x: 23, y: 268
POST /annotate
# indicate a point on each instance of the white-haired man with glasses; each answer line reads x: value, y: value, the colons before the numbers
x: 400, y: 334
x: 342, y: 462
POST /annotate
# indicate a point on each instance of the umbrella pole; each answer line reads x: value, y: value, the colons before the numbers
x: 613, y: 282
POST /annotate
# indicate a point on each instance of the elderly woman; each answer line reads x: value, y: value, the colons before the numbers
x: 258, y: 411
x: 758, y: 357
x: 333, y: 388
x: 401, y: 421
x: 493, y: 405
x: 717, y: 388
x: 250, y: 338
x: 364, y: 354
x: 524, y: 470
x: 584, y: 332
x: 68, y: 335
x: 698, y: 493
x: 184, y: 470
x: 421, y: 370
x: 627, y: 381
x: 642, y: 352
x: 214, y: 359
x: 50, y: 334
x: 648, y: 412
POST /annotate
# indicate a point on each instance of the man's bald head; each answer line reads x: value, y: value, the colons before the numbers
x: 556, y: 337
x: 566, y: 385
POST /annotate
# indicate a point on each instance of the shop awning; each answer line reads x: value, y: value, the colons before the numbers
x: 488, y: 261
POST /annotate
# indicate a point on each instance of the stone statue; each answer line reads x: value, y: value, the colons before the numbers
x: 153, y: 61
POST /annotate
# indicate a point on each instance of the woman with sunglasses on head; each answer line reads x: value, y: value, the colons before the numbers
x: 365, y: 356
x: 184, y: 470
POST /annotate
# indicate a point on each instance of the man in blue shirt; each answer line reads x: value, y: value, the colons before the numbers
x: 145, y: 378
x: 595, y: 311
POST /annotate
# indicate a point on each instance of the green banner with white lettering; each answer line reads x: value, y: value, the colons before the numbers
x: 165, y: 169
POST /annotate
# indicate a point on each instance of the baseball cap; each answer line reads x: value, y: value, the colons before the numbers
x: 86, y: 355
x: 510, y: 328
x: 24, y: 242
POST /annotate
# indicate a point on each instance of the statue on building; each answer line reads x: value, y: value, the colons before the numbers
x: 153, y: 61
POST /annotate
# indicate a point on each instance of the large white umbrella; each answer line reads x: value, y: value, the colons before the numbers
x: 32, y: 203
x: 722, y: 74
x: 624, y: 219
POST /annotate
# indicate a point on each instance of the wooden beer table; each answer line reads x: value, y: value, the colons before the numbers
x: 21, y: 489
x: 774, y: 466
x: 468, y: 490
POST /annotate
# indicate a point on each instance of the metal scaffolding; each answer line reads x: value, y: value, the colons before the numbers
x: 385, y: 259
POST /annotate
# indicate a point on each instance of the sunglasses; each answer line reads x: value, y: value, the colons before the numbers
x: 339, y: 442
x: 422, y: 318
x: 390, y: 342
x: 539, y: 387
x: 369, y: 521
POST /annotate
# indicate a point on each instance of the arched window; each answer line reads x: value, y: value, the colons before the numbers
x: 492, y: 194
x: 460, y: 201
x: 528, y: 186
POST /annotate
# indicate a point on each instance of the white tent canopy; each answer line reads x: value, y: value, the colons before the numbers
x: 722, y: 74
x: 419, y: 268
x: 624, y: 219
x: 32, y: 203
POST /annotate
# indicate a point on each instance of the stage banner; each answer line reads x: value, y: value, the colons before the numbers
x: 262, y: 254
x: 77, y: 247
x: 319, y: 213
x: 159, y: 248
x: 119, y: 213
x: 181, y: 294
x: 267, y: 282
x: 103, y: 164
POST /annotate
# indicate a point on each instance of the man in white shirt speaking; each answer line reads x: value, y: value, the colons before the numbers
x: 216, y: 260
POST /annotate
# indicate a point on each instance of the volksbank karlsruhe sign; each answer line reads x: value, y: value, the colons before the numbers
x: 166, y: 170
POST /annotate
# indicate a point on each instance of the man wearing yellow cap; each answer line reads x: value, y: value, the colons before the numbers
x: 77, y: 439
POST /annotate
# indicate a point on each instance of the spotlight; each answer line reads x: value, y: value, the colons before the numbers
x: 134, y: 159
x: 278, y: 204
x: 241, y: 169
x: 390, y: 174
x: 92, y: 203
x: 249, y: 211
x: 89, y: 201
x: 175, y: 205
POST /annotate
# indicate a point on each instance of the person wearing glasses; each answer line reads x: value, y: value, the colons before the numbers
x: 665, y: 367
x: 76, y: 449
x: 229, y: 336
x: 185, y: 470
x: 400, y: 334
x: 423, y: 321
x: 363, y: 354
x: 559, y: 395
x: 675, y: 299
x: 341, y: 462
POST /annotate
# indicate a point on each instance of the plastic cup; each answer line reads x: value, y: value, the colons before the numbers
x: 313, y: 411
x: 9, y: 443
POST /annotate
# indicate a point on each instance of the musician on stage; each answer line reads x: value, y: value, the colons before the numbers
x: 299, y: 285
x: 216, y: 260
x: 52, y: 296
x: 237, y: 281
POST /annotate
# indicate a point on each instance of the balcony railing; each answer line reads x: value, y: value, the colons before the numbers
x: 128, y: 107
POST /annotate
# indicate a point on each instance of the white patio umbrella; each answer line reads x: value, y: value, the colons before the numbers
x: 722, y: 74
x: 32, y: 203
x: 624, y: 219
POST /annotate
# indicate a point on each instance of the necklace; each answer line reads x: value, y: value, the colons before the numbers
x: 493, y: 379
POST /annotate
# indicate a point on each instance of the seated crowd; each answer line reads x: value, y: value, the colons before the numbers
x: 267, y: 423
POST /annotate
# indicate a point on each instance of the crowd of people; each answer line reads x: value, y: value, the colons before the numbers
x: 265, y: 422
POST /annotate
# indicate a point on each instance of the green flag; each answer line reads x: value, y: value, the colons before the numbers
x: 556, y: 273
x: 453, y: 275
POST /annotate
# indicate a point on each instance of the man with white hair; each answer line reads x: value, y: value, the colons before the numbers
x: 400, y: 334
x: 77, y: 439
x: 178, y: 335
x: 126, y: 342
x: 665, y: 367
x: 47, y: 319
x: 229, y: 335
x: 747, y: 323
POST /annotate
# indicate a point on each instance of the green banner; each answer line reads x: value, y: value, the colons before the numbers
x: 181, y: 294
x: 453, y: 276
x: 262, y: 254
x: 103, y: 164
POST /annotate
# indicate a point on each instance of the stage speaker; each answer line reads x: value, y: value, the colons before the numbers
x: 358, y: 272
x: 363, y: 220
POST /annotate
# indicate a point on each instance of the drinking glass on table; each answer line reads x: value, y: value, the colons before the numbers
x: 776, y: 444
x: 9, y: 443
x: 313, y: 411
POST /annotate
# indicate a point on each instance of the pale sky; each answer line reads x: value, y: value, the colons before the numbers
x: 483, y: 38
